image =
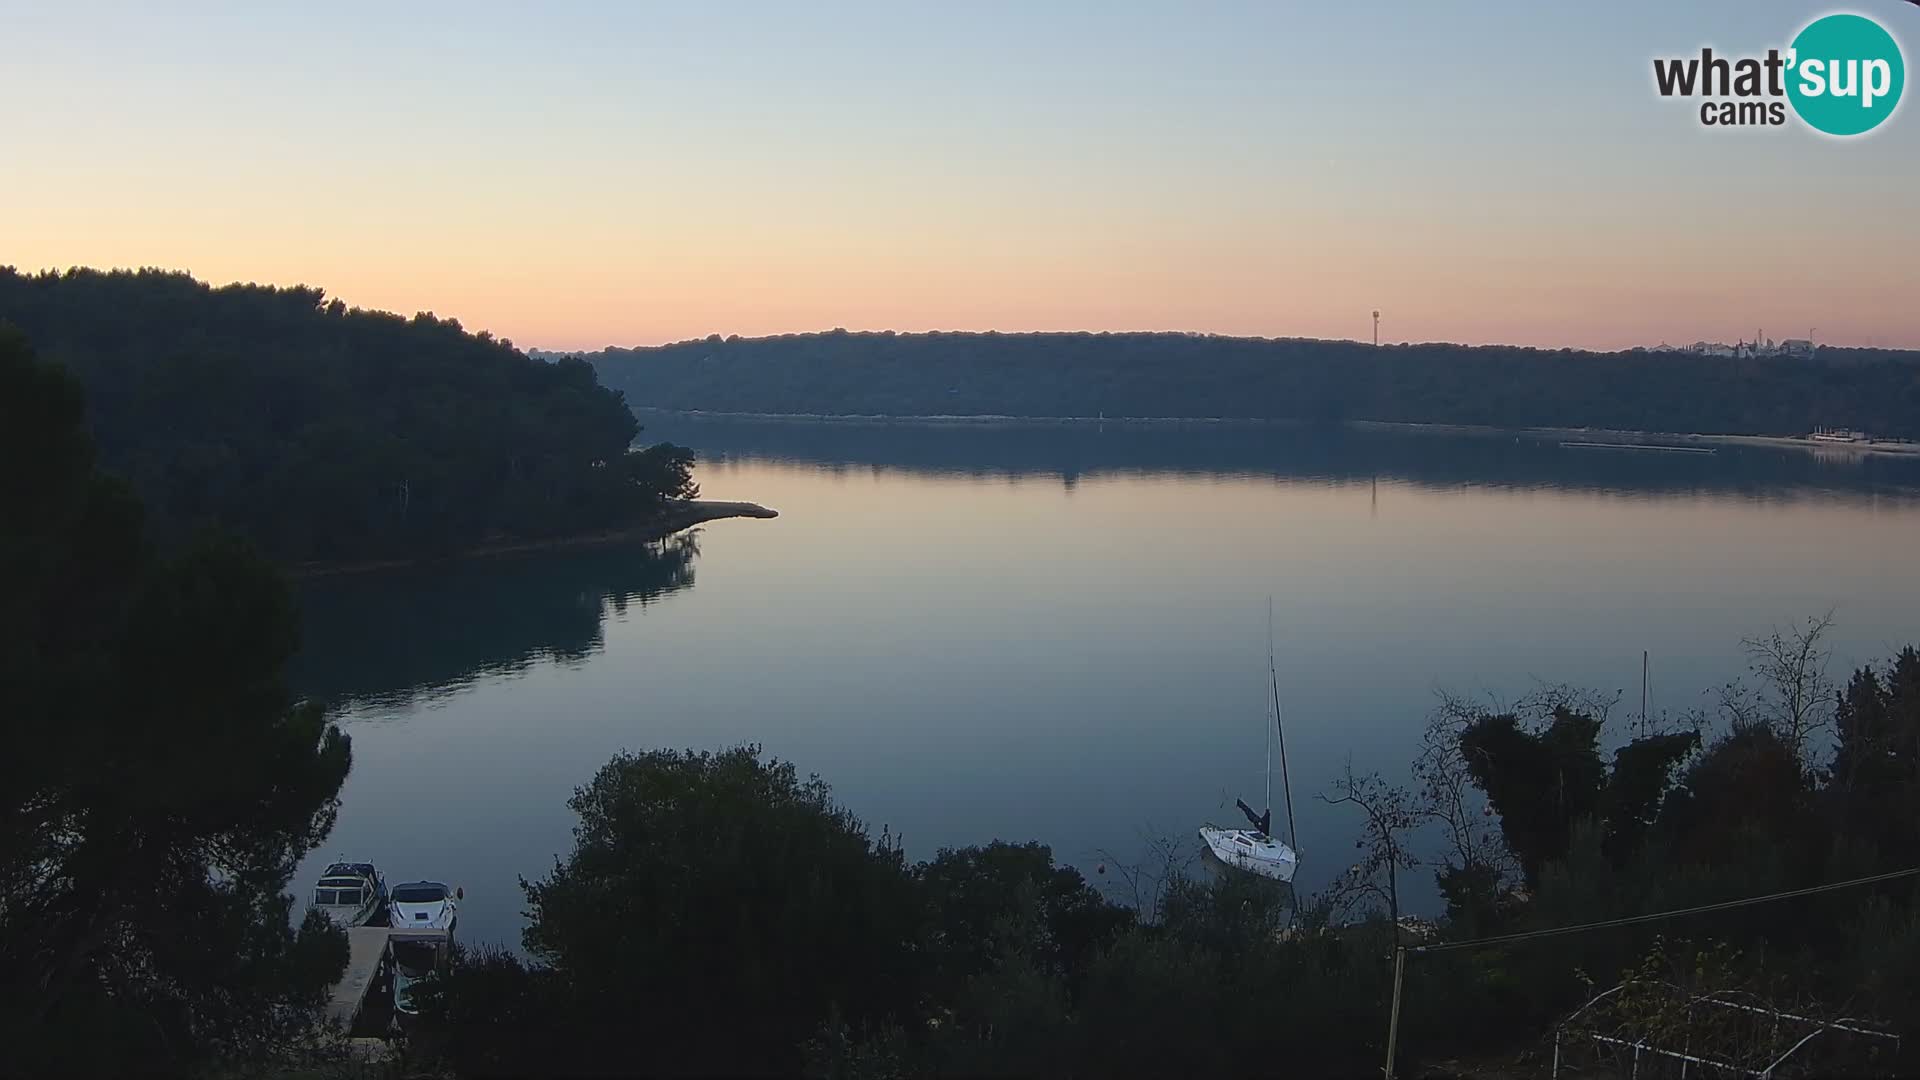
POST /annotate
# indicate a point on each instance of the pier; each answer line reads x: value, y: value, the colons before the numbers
x: 369, y: 956
x: 370, y: 967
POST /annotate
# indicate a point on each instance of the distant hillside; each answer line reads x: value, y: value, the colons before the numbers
x: 327, y: 433
x: 1185, y: 375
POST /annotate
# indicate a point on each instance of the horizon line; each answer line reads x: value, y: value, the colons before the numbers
x: 328, y: 296
x: 1264, y: 338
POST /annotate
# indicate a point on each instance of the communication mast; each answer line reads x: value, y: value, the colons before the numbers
x: 1376, y: 328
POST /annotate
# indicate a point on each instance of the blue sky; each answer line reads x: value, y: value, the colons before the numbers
x: 577, y: 175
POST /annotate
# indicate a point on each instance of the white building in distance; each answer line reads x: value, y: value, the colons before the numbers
x: 1798, y: 348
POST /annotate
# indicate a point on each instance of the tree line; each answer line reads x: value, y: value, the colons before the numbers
x: 1193, y: 375
x: 159, y: 783
x: 720, y: 915
x: 323, y: 433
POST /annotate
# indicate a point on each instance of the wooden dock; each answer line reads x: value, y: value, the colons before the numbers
x: 369, y: 964
x: 367, y: 957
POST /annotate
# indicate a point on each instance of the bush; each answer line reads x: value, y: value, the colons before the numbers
x: 715, y: 913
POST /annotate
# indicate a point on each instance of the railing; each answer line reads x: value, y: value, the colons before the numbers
x: 1685, y: 1054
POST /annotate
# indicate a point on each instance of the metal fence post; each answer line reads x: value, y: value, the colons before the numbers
x: 1393, y: 1018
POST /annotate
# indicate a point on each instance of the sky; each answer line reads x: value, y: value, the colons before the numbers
x: 580, y: 175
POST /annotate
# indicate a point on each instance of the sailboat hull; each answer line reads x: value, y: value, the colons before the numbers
x: 1244, y: 849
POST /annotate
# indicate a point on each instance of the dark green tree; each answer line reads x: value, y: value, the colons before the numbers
x: 1874, y: 784
x: 1539, y: 782
x: 327, y: 434
x: 1749, y: 778
x: 974, y: 895
x: 1544, y: 778
x: 1643, y: 773
x: 661, y: 472
x: 715, y: 912
x: 158, y: 784
x: 1476, y: 870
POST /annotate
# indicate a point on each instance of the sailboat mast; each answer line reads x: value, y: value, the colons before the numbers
x: 1268, y: 806
x: 1280, y: 734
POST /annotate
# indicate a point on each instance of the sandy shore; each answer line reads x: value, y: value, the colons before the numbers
x: 680, y: 516
x: 1606, y: 435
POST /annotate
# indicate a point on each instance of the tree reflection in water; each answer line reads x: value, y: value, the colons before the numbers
x: 390, y: 637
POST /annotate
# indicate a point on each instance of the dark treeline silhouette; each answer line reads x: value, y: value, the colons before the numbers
x: 323, y: 433
x: 1078, y: 450
x: 1189, y: 375
x: 158, y: 784
x: 719, y: 915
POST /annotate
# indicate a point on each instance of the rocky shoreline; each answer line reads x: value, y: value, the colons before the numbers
x: 677, y: 517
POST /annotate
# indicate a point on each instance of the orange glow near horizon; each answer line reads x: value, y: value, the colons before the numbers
x: 1154, y: 169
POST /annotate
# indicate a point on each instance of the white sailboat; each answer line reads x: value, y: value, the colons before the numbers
x: 1256, y: 850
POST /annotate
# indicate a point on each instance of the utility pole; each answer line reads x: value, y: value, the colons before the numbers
x: 1393, y: 1018
x: 1643, y: 693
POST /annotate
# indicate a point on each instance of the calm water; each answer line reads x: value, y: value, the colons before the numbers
x: 1058, y: 633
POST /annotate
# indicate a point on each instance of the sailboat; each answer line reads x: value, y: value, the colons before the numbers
x: 1256, y: 850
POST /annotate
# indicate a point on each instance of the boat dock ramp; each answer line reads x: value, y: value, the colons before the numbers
x: 394, y: 939
x: 369, y: 969
x: 368, y: 955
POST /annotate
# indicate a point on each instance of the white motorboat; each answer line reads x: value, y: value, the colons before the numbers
x: 1256, y: 850
x: 424, y: 906
x: 413, y: 961
x: 350, y: 894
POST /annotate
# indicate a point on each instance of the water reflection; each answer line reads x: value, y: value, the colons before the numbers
x: 391, y: 637
x: 1072, y: 451
x: 972, y: 649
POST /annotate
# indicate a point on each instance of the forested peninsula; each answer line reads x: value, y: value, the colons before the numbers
x: 1172, y: 375
x: 325, y: 434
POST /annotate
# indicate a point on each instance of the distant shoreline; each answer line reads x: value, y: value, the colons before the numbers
x: 1602, y: 435
x: 1637, y: 438
x: 680, y: 516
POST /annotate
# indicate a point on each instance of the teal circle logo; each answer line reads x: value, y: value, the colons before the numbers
x: 1845, y: 74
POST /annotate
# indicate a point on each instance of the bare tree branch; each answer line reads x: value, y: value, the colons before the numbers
x: 1389, y: 816
x: 1795, y: 695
